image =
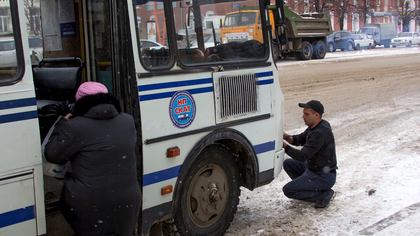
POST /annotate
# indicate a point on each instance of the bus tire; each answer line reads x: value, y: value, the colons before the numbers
x: 305, y: 52
x: 209, y: 194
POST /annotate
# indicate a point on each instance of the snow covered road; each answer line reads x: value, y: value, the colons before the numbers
x: 373, y: 105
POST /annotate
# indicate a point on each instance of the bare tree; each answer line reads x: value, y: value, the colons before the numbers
x: 309, y: 5
x: 32, y: 14
x: 366, y: 8
x: 317, y: 6
x: 342, y: 8
x: 406, y: 13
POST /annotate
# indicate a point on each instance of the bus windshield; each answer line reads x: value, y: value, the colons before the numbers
x: 199, y: 33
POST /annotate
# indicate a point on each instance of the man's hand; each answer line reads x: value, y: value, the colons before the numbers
x: 284, y: 144
x: 288, y: 138
x: 68, y: 116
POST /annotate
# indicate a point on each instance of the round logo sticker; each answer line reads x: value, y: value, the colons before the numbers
x: 182, y: 109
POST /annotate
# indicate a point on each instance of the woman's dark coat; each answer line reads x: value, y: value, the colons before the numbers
x: 102, y: 193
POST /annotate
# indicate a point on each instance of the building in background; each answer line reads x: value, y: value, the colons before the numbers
x: 353, y: 14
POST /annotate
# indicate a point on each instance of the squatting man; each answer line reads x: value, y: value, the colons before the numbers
x: 312, y: 168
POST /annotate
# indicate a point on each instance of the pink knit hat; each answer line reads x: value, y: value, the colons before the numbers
x: 90, y: 88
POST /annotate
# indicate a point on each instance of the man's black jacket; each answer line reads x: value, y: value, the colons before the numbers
x: 318, y: 148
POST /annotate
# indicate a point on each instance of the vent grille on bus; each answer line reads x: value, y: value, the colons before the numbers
x: 238, y: 94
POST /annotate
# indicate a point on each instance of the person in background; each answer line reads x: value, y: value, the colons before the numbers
x: 312, y: 168
x: 102, y: 195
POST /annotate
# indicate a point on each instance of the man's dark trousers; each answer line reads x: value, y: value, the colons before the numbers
x: 306, y: 185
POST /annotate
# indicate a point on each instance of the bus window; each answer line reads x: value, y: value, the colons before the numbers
x: 33, y: 23
x: 233, y: 27
x: 9, y: 63
x: 100, y: 49
x: 152, y: 33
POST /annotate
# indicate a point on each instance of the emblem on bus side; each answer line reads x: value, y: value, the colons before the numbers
x: 182, y: 109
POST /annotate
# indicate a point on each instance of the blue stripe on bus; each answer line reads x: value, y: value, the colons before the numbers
x: 174, y: 84
x: 25, y: 102
x: 160, y: 176
x: 17, y: 216
x: 266, y: 81
x: 173, y: 172
x: 169, y: 94
x: 265, y: 147
x: 18, y: 116
x: 265, y: 74
x: 155, y: 96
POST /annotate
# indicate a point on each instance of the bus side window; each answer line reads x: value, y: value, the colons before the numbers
x: 153, y: 41
x: 11, y: 52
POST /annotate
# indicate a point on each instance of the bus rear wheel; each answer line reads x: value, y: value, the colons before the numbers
x: 209, y: 194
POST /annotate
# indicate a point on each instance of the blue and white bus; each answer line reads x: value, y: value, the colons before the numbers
x: 209, y: 119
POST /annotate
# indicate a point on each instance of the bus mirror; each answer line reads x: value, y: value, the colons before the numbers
x: 280, y: 9
x: 220, y: 23
x: 281, y: 34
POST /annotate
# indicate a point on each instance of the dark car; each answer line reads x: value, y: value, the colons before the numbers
x: 342, y: 39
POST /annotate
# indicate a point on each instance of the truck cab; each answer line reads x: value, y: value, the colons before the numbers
x: 242, y: 26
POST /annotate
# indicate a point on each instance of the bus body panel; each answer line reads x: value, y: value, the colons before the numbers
x: 155, y: 97
x: 178, y: 110
x: 17, y: 211
x: 22, y: 210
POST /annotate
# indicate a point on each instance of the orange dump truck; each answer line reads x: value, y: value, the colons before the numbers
x: 306, y: 33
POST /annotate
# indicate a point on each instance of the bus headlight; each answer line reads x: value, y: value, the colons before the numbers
x: 224, y: 40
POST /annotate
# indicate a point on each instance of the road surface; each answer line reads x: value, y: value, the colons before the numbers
x: 373, y: 105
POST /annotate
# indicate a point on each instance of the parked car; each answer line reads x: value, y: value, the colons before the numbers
x: 362, y: 41
x: 406, y: 39
x: 381, y: 33
x: 7, y: 53
x: 342, y: 40
x: 144, y: 43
